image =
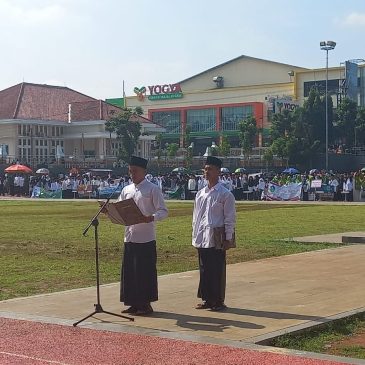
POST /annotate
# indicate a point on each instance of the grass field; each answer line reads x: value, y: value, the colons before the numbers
x: 43, y: 250
x: 343, y: 337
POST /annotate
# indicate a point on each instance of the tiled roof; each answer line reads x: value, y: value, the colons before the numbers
x: 8, y: 101
x: 46, y: 102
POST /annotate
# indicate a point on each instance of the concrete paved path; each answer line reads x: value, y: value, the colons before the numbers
x: 265, y: 298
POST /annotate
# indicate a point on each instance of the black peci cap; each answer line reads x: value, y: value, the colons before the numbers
x: 211, y: 160
x: 138, y: 161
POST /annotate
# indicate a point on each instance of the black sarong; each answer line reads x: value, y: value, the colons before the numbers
x: 139, y: 274
x: 212, y: 267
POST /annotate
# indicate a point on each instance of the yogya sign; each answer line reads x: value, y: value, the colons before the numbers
x: 283, y: 104
x: 158, y: 92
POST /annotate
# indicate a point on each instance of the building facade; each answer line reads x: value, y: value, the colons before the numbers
x: 212, y: 103
x: 43, y: 124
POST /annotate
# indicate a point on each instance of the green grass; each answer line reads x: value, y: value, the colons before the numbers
x: 43, y: 250
x: 327, y: 338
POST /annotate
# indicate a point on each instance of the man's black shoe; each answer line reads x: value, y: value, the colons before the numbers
x: 218, y: 307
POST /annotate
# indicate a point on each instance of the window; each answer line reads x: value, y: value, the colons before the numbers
x: 169, y: 120
x: 320, y: 85
x: 231, y: 116
x: 201, y: 120
x: 89, y: 153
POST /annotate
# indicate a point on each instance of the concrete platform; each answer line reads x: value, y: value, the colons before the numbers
x: 356, y: 237
x: 265, y: 298
x: 343, y: 237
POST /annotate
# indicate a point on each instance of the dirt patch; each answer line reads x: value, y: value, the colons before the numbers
x: 353, y: 345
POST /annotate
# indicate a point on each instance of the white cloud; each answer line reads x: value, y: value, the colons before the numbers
x: 354, y: 19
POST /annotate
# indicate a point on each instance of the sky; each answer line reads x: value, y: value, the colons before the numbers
x: 93, y: 45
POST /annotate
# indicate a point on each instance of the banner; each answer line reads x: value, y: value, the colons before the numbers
x: 105, y: 192
x: 39, y: 192
x: 290, y: 191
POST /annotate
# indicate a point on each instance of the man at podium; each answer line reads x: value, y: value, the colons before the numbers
x: 139, y: 273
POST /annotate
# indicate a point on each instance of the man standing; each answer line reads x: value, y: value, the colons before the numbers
x: 139, y: 274
x: 214, y: 208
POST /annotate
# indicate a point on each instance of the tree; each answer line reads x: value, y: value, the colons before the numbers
x: 172, y: 150
x: 303, y: 132
x: 127, y: 132
x: 312, y: 118
x: 138, y: 110
x: 268, y: 156
x: 360, y: 127
x: 225, y: 147
x: 158, y: 141
x: 283, y: 147
x: 345, y: 117
x: 247, y: 133
x: 282, y: 124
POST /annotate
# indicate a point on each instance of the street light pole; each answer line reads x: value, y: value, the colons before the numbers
x: 327, y: 46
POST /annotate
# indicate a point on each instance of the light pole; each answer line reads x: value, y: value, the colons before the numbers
x: 327, y: 46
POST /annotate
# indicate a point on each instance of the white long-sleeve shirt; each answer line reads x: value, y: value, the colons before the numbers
x: 149, y: 200
x: 213, y: 207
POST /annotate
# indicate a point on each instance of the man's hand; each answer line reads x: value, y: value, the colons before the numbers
x: 149, y: 219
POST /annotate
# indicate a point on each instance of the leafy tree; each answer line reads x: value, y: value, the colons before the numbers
x: 247, y: 133
x: 313, y: 117
x: 345, y: 116
x: 298, y: 135
x: 138, y: 110
x: 127, y: 132
x: 268, y: 155
x: 172, y: 150
x: 225, y: 147
x: 282, y: 124
x: 360, y: 127
x: 158, y: 140
x: 284, y: 147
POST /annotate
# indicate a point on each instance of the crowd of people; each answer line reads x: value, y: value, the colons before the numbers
x: 244, y: 186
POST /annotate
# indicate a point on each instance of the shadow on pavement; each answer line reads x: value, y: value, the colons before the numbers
x: 274, y: 315
x: 197, y: 323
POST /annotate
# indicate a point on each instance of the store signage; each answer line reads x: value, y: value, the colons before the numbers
x: 158, y: 92
x: 166, y: 91
x: 140, y: 92
x: 284, y: 104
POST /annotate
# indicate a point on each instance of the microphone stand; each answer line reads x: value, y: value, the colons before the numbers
x: 95, y: 222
